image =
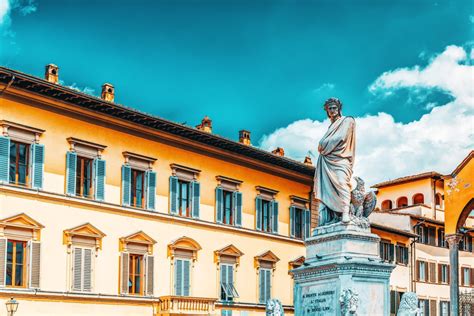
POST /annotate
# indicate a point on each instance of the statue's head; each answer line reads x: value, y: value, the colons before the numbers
x: 333, y: 108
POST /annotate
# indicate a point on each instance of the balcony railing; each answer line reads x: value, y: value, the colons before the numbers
x: 171, y: 305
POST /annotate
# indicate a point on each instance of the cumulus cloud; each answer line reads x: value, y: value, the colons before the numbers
x: 75, y: 86
x: 387, y: 149
x: 324, y: 87
x: 25, y: 7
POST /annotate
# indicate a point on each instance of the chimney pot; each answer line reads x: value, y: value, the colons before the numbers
x: 244, y: 137
x: 206, y: 125
x: 308, y: 161
x: 108, y: 92
x: 279, y: 152
x: 51, y: 73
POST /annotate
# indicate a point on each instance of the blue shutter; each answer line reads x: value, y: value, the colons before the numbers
x: 307, y: 223
x: 219, y: 204
x: 4, y: 158
x: 268, y: 285
x: 196, y: 198
x: 174, y: 195
x: 126, y: 185
x: 99, y: 167
x: 274, y: 219
x: 261, y: 286
x: 37, y: 166
x: 292, y: 221
x: 150, y: 189
x: 71, y: 161
x: 258, y: 212
x: 238, y: 208
x: 178, y: 284
x: 186, y: 278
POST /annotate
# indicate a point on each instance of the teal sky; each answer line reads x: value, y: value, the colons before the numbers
x: 250, y: 64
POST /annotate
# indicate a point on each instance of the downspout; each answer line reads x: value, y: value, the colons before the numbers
x: 7, y: 86
x: 413, y: 258
x: 435, y: 178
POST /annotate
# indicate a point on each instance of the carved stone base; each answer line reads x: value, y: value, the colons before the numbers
x: 343, y: 273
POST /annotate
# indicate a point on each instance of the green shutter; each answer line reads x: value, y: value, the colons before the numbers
x: 174, y: 195
x: 126, y: 185
x: 258, y: 212
x: 4, y: 158
x: 178, y: 284
x: 99, y: 170
x: 261, y: 286
x: 274, y: 219
x: 150, y: 177
x: 224, y: 279
x: 307, y: 223
x: 237, y: 196
x: 268, y: 285
x: 196, y: 196
x: 292, y: 221
x: 71, y: 161
x: 37, y: 166
x: 186, y: 277
x: 219, y: 204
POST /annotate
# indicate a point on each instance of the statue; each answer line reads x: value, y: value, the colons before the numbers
x: 362, y: 204
x: 409, y: 305
x: 334, y: 167
x: 349, y: 301
x: 274, y: 308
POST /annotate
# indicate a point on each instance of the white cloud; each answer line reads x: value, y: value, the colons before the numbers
x: 324, y: 87
x: 4, y: 10
x: 471, y: 18
x: 25, y: 7
x: 387, y: 149
x: 87, y: 90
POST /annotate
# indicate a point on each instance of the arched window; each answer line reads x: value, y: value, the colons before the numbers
x: 386, y: 205
x: 402, y: 201
x: 418, y: 199
x: 438, y: 199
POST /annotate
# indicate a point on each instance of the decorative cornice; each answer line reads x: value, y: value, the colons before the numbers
x: 85, y: 230
x: 341, y: 236
x: 184, y: 243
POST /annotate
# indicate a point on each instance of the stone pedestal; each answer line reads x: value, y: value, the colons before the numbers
x: 343, y: 274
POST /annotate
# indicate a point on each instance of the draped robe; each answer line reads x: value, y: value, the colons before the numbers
x: 334, y: 167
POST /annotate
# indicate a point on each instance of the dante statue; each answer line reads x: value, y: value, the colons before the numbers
x: 333, y: 174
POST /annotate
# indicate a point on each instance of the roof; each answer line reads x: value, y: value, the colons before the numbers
x: 393, y: 230
x: 463, y: 163
x: 60, y: 93
x: 420, y: 176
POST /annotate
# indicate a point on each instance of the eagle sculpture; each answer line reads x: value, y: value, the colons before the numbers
x: 362, y: 204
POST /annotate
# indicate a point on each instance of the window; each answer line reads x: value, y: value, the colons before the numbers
x: 395, y: 298
x: 299, y: 223
x: 441, y: 238
x: 183, y: 198
x: 418, y: 199
x: 443, y: 308
x: 438, y: 199
x: 424, y: 306
x: 465, y: 276
x: 228, y: 208
x: 265, y: 216
x: 386, y: 251
x: 182, y: 281
x: 264, y: 285
x: 402, y: 201
x: 82, y: 269
x: 184, y: 191
x: 443, y: 273
x: 228, y: 290
x: 16, y: 263
x: 227, y: 312
x: 432, y: 272
x: 386, y: 205
x: 426, y: 235
x: 136, y: 275
x: 266, y: 210
x: 84, y: 177
x: 137, y: 188
x: 19, y: 162
x: 300, y: 218
x: 401, y: 254
x: 465, y: 244
x: 422, y: 271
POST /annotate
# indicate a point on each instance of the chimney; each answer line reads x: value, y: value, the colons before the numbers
x: 108, y: 92
x: 51, y: 73
x: 244, y: 137
x: 206, y: 125
x: 279, y: 152
x: 308, y: 161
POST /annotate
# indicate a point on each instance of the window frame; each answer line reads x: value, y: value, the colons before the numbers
x: 133, y: 189
x: 24, y: 264
x: 175, y: 276
x: 80, y: 165
x: 17, y: 163
x: 227, y: 194
x: 400, y: 250
x: 133, y: 257
x: 268, y: 274
x: 228, y: 292
x: 187, y: 212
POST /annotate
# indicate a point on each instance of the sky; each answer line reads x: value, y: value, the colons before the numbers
x: 404, y: 69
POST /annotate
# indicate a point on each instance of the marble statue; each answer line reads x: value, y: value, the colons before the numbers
x: 362, y: 204
x: 334, y: 167
x: 409, y: 305
x: 349, y: 301
x: 274, y: 308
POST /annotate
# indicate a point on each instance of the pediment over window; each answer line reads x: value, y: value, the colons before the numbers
x: 228, y: 254
x: 83, y: 234
x: 20, y: 132
x: 184, y: 246
x: 266, y: 260
x: 138, y: 242
x: 21, y: 225
x: 298, y: 262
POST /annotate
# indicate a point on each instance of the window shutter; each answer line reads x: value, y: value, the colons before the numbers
x: 126, y: 186
x: 439, y: 273
x: 432, y: 307
x: 3, y: 260
x: 292, y: 221
x: 4, y: 159
x: 432, y: 272
x: 224, y: 275
x: 178, y: 284
x: 150, y: 189
x: 186, y: 278
x: 449, y: 273
x: 258, y: 212
x: 124, y: 267
x: 219, y: 204
x: 71, y: 160
x: 37, y: 166
x: 35, y: 264
x: 472, y: 275
x: 417, y: 268
x: 391, y: 252
x: 405, y: 255
x: 307, y: 223
x: 99, y: 188
x: 261, y: 286
x: 87, y: 270
x: 268, y: 284
x: 230, y: 279
x: 77, y: 269
x: 427, y: 276
x: 150, y: 272
x: 462, y: 277
x: 173, y: 195
x: 196, y: 198
x: 238, y: 208
x: 274, y: 206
